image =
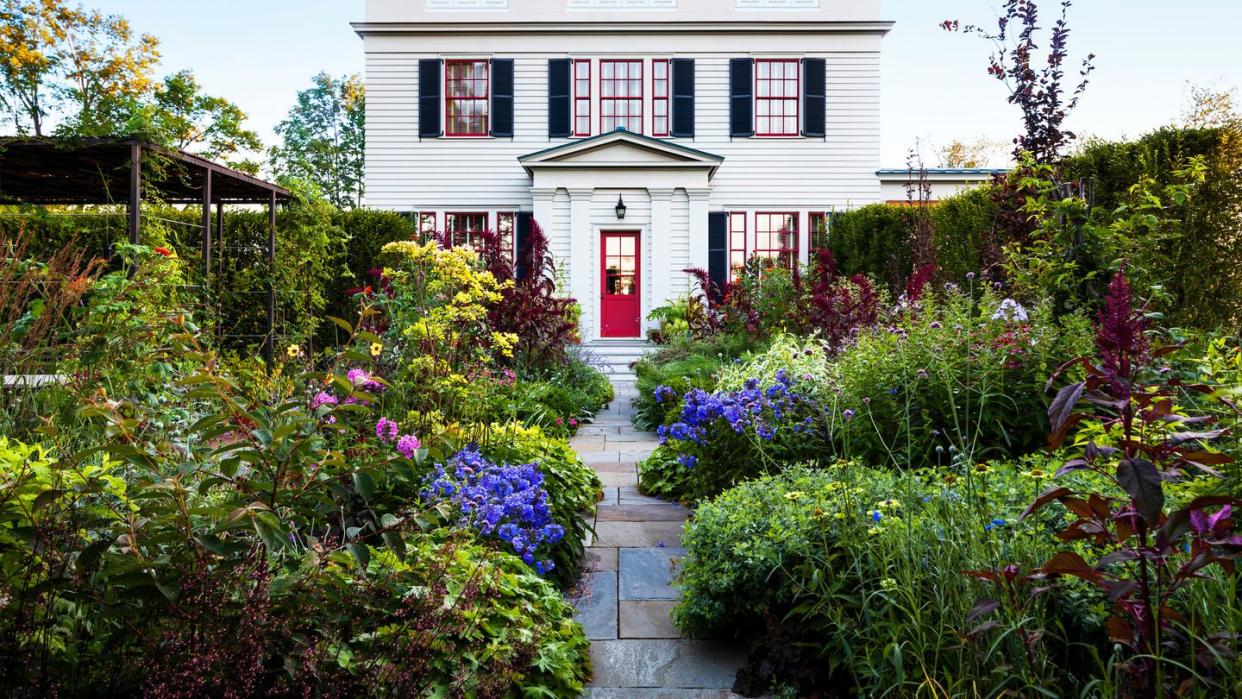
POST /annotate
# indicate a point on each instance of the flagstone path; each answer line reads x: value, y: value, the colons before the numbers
x: 626, y: 596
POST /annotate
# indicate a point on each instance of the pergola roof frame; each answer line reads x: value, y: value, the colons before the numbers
x: 87, y: 171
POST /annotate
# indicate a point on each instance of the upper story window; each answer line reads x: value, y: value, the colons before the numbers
x: 621, y: 95
x: 659, y: 97
x: 464, y: 229
x: 582, y: 97
x: 776, y: 238
x: 466, y: 97
x: 777, y: 92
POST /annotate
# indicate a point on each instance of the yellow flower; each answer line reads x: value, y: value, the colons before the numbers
x: 981, y: 468
x: 1035, y: 474
x: 888, y: 504
x: 376, y: 349
x: 794, y: 494
x: 293, y: 351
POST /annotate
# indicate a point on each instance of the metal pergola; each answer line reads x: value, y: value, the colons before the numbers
x: 110, y: 171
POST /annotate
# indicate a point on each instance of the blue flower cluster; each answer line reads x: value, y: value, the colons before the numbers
x: 508, y: 502
x: 764, y: 410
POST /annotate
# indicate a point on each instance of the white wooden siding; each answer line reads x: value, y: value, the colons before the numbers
x: 407, y: 173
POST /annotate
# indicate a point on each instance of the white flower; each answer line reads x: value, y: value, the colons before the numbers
x: 1011, y: 310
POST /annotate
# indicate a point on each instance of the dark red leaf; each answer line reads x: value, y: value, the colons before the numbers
x: 1140, y: 479
x: 1047, y: 497
x: 1119, y: 630
x: 1070, y: 563
x: 1060, y: 409
x: 982, y: 608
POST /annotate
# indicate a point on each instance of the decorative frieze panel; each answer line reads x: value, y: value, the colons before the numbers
x: 778, y: 4
x: 467, y: 4
x: 623, y: 4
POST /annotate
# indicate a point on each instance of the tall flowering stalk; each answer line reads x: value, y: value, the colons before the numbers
x: 1145, y: 556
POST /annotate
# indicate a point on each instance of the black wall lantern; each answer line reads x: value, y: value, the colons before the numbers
x: 621, y: 208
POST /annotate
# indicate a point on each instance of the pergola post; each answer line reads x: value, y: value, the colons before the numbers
x: 269, y: 346
x: 207, y: 231
x: 135, y: 193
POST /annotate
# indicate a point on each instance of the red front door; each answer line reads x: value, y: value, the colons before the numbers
x: 620, y: 300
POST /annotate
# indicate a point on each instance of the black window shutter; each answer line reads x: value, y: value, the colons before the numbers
x: 502, y: 97
x: 814, y: 100
x: 558, y: 98
x: 718, y: 248
x: 429, y: 98
x: 741, y: 97
x: 682, y: 71
x: 521, y: 242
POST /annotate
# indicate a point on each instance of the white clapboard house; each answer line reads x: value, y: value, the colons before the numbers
x: 645, y: 136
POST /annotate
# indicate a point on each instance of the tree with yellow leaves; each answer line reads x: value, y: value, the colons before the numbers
x: 81, y: 65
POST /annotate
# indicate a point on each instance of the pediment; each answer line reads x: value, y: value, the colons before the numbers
x: 621, y: 150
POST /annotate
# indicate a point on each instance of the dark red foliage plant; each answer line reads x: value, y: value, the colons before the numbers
x: 1145, y: 554
x: 544, y: 321
x: 1037, y: 89
x: 836, y: 307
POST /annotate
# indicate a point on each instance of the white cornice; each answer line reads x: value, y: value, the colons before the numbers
x: 653, y: 26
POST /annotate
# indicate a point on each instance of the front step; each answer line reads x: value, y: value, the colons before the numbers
x: 615, y: 357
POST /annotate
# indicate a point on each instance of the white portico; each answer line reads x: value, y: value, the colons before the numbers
x: 620, y: 268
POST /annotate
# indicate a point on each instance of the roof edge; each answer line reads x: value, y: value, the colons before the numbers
x: 365, y: 29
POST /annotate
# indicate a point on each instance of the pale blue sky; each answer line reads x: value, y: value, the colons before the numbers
x: 259, y: 53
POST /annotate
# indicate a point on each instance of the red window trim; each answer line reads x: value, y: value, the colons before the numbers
x: 582, y: 99
x: 486, y: 98
x: 797, y: 235
x: 733, y: 215
x: 641, y: 90
x: 797, y: 98
x: 656, y: 97
x: 449, y: 232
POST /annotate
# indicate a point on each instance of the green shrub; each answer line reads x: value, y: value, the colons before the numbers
x: 874, y: 241
x: 952, y: 378
x: 963, y: 225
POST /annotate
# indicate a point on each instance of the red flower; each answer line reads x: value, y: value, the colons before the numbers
x: 164, y: 251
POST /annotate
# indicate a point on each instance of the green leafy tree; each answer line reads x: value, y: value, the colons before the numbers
x: 181, y: 116
x: 323, y: 139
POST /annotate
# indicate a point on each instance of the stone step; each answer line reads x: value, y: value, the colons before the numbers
x: 664, y: 664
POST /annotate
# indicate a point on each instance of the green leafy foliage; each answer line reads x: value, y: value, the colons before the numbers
x: 323, y: 139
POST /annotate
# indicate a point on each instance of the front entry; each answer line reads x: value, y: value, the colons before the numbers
x: 620, y: 298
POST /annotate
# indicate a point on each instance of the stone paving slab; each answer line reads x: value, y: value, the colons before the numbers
x: 612, y: 480
x: 610, y: 496
x: 631, y: 496
x: 647, y: 693
x: 600, y: 428
x: 600, y: 559
x: 664, y: 664
x: 633, y: 437
x: 597, y: 605
x: 642, y: 513
x: 601, y: 457
x: 637, y: 534
x: 647, y: 573
x: 647, y: 619
x: 618, y: 467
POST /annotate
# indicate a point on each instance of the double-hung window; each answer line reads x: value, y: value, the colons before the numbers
x: 464, y: 229
x: 621, y: 95
x: 777, y: 93
x: 427, y: 225
x: 582, y: 97
x: 466, y: 94
x: 659, y: 97
x: 776, y: 238
x: 504, y: 231
x: 817, y: 222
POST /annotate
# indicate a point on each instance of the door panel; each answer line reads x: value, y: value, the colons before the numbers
x: 621, y: 286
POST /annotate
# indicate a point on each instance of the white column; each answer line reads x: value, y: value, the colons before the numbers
x: 698, y: 226
x: 544, y: 210
x: 582, y: 272
x: 663, y: 266
x: 804, y: 237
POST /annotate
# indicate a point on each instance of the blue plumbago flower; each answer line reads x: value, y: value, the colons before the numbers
x: 998, y: 522
x: 688, y: 460
x: 876, y: 516
x: 663, y: 393
x: 506, y: 502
